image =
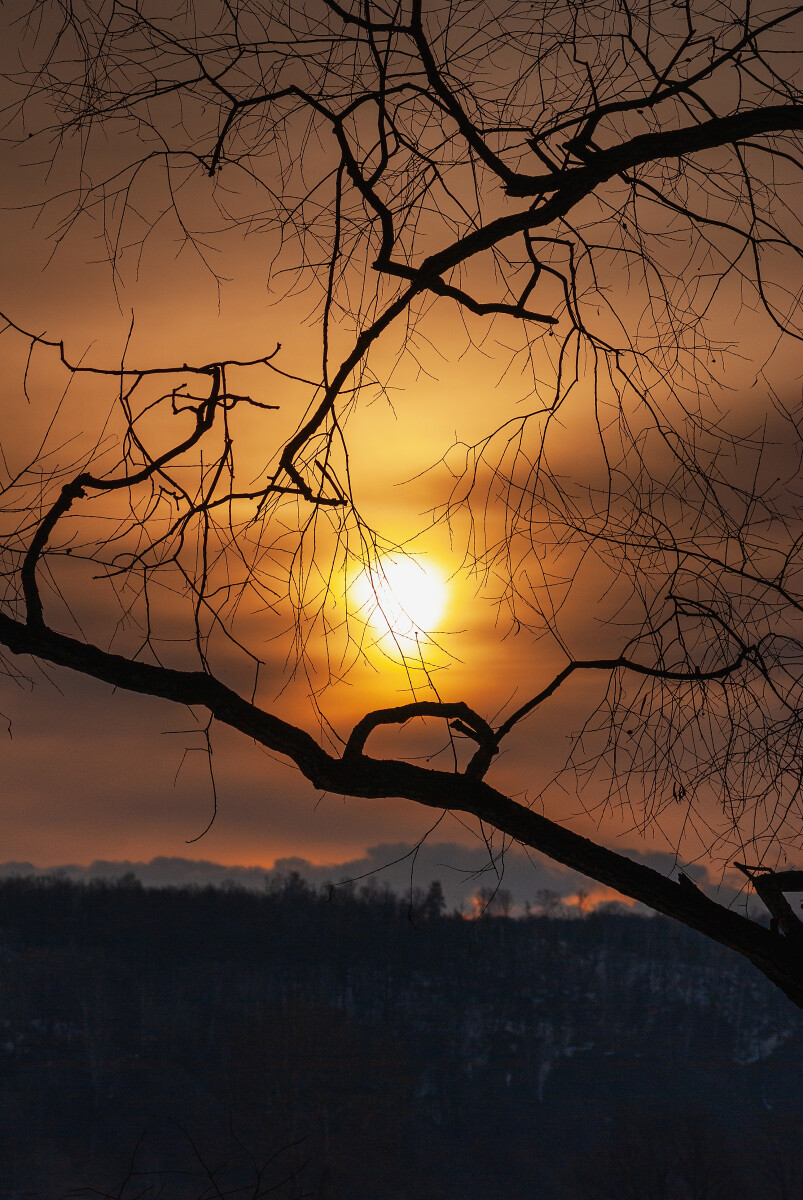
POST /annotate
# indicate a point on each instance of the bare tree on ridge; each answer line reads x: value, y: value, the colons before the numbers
x: 600, y: 180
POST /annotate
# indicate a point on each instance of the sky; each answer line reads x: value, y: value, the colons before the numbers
x: 88, y: 775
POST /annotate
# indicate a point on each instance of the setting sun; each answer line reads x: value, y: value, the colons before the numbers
x: 401, y: 597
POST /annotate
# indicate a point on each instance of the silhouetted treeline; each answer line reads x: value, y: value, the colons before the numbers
x: 377, y: 1048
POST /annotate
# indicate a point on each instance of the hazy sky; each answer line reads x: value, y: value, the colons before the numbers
x: 87, y: 774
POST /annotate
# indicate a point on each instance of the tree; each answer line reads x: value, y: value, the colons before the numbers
x: 612, y: 185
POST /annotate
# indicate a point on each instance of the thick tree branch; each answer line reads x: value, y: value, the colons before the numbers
x: 356, y: 774
x: 653, y: 147
x: 463, y: 718
x: 378, y: 134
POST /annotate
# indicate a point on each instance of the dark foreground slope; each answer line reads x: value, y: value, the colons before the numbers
x: 380, y: 1057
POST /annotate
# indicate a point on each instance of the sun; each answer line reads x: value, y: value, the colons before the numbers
x: 401, y: 597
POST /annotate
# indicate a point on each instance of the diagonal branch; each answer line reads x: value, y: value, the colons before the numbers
x: 617, y: 664
x: 666, y: 143
x: 356, y: 774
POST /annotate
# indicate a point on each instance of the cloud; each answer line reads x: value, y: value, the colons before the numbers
x: 403, y: 867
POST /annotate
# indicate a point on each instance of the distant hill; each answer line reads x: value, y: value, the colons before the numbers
x: 462, y: 870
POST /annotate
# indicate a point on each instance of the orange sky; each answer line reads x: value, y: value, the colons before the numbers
x: 89, y: 775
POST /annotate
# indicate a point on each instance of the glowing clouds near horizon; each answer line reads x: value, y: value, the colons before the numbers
x: 401, y: 598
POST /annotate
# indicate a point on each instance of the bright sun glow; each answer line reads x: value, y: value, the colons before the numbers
x: 401, y: 596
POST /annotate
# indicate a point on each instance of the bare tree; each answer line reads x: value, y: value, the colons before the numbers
x: 610, y: 184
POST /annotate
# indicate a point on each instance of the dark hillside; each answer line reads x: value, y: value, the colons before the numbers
x: 386, y: 1053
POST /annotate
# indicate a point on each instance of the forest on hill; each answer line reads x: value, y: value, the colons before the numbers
x: 348, y: 1044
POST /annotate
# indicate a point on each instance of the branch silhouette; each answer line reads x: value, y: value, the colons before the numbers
x: 599, y: 209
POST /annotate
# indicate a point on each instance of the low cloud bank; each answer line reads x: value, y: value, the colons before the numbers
x: 470, y: 876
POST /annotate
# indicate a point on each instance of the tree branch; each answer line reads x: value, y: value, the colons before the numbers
x: 617, y: 664
x: 355, y: 774
x: 652, y: 147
